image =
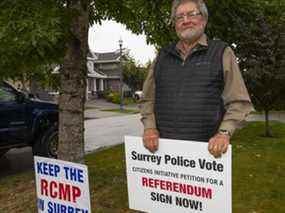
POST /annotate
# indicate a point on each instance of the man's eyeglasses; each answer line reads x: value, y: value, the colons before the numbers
x: 188, y: 15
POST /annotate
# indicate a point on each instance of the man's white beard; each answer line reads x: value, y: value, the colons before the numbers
x: 189, y: 35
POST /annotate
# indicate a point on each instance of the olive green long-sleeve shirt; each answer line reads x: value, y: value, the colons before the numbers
x: 235, y: 96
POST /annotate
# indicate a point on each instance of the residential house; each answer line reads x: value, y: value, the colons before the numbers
x: 104, y: 72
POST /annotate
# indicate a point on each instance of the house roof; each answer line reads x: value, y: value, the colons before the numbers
x: 108, y: 56
x: 97, y: 74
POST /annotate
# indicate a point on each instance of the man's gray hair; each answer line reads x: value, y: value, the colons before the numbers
x: 201, y: 6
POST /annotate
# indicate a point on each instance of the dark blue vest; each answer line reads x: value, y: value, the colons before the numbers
x: 188, y: 103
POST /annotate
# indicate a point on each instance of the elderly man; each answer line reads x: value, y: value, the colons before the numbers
x: 194, y: 89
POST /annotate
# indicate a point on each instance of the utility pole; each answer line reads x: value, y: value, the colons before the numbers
x: 121, y: 76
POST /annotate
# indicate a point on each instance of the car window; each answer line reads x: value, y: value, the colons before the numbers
x: 6, y: 95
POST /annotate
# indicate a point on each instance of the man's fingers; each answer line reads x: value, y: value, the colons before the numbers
x: 150, y: 139
x: 151, y: 145
x: 218, y: 145
x: 225, y: 148
x: 211, y: 145
x: 216, y: 150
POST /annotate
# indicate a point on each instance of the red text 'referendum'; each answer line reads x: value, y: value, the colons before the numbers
x: 183, y: 188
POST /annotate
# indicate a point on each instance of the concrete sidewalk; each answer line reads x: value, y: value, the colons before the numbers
x: 273, y: 116
x: 94, y: 110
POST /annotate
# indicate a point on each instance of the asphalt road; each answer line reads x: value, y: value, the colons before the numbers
x: 102, y: 132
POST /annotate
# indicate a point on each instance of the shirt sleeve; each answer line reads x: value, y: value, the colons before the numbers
x: 148, y: 98
x: 235, y: 95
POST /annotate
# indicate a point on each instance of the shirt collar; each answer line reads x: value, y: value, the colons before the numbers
x: 202, y: 41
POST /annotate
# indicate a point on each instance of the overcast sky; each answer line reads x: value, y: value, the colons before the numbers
x: 105, y: 38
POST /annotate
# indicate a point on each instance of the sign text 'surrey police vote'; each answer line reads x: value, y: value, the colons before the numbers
x: 182, y: 176
x: 61, y: 186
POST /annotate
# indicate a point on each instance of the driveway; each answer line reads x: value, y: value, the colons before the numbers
x: 110, y: 131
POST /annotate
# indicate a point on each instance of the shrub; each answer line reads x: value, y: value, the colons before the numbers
x: 116, y: 98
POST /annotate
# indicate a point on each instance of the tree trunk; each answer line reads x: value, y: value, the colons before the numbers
x: 268, y: 132
x: 73, y: 85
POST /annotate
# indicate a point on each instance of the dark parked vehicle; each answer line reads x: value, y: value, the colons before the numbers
x: 25, y: 121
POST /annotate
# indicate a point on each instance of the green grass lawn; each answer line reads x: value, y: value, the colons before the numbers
x: 258, y: 177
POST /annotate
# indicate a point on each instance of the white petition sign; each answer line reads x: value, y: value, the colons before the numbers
x: 61, y: 186
x: 181, y: 176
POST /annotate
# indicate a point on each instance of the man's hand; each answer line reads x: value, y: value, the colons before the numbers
x: 150, y: 139
x: 218, y: 144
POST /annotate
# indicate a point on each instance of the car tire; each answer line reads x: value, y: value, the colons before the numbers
x: 47, y: 144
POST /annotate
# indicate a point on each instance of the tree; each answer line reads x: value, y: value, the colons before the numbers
x: 28, y: 38
x: 73, y: 84
x: 133, y: 75
x: 263, y: 59
x: 35, y: 34
x: 140, y: 16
